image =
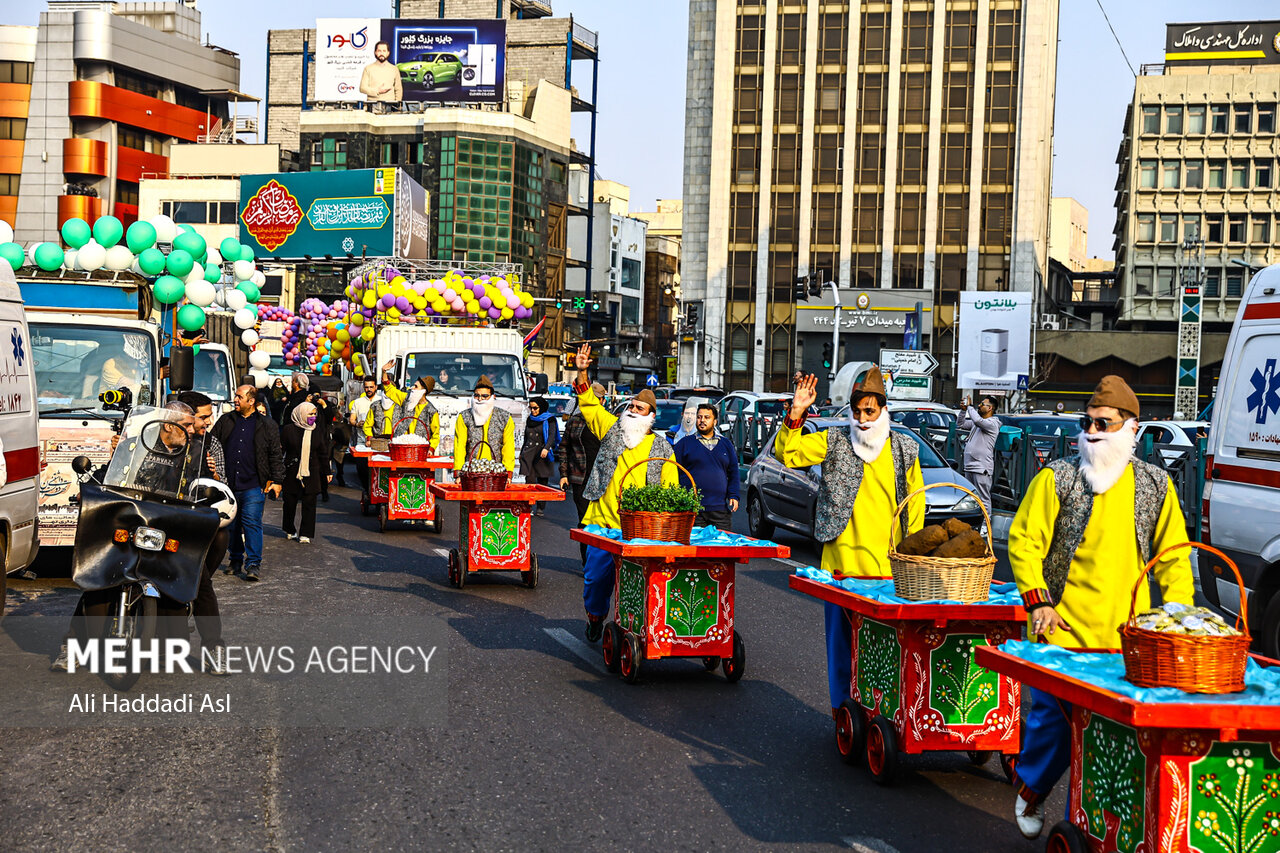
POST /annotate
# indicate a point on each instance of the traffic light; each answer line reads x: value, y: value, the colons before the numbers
x: 559, y: 304
x: 692, y: 311
x: 802, y: 289
x: 815, y: 286
x: 826, y: 355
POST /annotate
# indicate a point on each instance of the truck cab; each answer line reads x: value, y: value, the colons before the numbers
x: 215, y: 376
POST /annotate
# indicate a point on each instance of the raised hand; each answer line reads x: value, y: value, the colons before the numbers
x: 806, y: 395
x: 582, y: 359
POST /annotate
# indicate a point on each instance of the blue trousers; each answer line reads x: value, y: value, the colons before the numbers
x: 597, y: 586
x: 246, y: 530
x: 1046, y: 743
x: 839, y: 652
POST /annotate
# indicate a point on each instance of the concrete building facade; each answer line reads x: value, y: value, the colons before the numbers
x: 1069, y: 233
x: 892, y: 145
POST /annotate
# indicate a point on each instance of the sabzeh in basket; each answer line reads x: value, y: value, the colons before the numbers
x: 926, y: 578
x: 1191, y: 663
x: 664, y: 512
x: 483, y: 481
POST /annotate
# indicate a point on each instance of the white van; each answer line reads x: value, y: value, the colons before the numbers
x: 19, y: 435
x: 1242, y: 468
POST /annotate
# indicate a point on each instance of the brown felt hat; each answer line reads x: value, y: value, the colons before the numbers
x: 483, y: 382
x: 428, y: 381
x: 646, y: 396
x: 1115, y: 392
x: 872, y: 384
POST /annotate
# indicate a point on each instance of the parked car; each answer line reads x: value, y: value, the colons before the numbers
x: 778, y: 496
x: 1180, y: 434
x: 932, y: 420
x: 561, y: 405
x: 1042, y: 430
x: 684, y: 392
x: 1242, y: 483
x: 431, y: 68
x: 668, y: 415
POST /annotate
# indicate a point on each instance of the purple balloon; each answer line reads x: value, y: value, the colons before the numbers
x: 495, y: 313
x: 486, y: 303
x: 402, y: 304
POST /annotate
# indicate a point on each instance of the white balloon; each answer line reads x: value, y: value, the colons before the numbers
x: 201, y: 292
x: 215, y: 257
x: 235, y: 299
x: 260, y: 359
x: 249, y: 338
x: 245, y: 318
x: 92, y: 256
x: 258, y: 278
x: 119, y: 258
x: 260, y: 377
x: 6, y: 232
x: 31, y: 252
x: 165, y: 229
x: 243, y: 270
x: 69, y: 258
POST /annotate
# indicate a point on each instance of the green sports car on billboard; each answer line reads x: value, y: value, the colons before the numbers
x: 430, y: 69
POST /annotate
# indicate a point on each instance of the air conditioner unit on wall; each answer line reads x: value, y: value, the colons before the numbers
x: 1049, y: 322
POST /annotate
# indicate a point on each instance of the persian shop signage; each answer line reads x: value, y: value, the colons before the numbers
x: 1227, y: 43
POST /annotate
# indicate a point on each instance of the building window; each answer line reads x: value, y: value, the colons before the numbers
x: 826, y: 158
x: 874, y: 46
x: 9, y: 184
x: 1262, y: 174
x: 1244, y: 118
x: 1168, y: 228
x: 1235, y: 284
x: 912, y: 155
x: 1150, y: 121
x: 126, y: 193
x: 916, y: 45
x: 746, y: 157
x: 1217, y: 174
x: 1239, y: 176
x: 1195, y: 174
x: 791, y: 39
x: 1218, y: 118
x: 750, y: 40
x: 138, y: 140
x: 1173, y: 121
x: 915, y: 97
x: 1146, y: 227
x: 742, y: 276
x: 740, y: 351
x: 1235, y: 228
x: 1266, y: 118
x: 1004, y: 35
x: 1000, y: 106
x: 961, y: 35
x: 871, y: 100
x: 833, y: 38
x: 140, y: 83
x: 1142, y: 281
x: 188, y: 212
x: 787, y: 96
x: 746, y: 99
x: 1261, y: 231
x: 1171, y: 173
x: 953, y: 219
x: 830, y: 99
x: 1213, y: 227
x: 955, y: 159
x: 742, y: 224
x: 780, y: 350
x: 1195, y: 119
x: 1212, y: 282
x: 1164, y: 281
x: 1147, y: 174
x: 630, y: 315
x: 1190, y: 227
x: 870, y: 158
x: 13, y: 128
x: 328, y: 154
x: 16, y: 72
x: 632, y: 277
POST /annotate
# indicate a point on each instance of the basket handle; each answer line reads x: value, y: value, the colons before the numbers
x: 894, y: 521
x: 1242, y: 619
x: 671, y: 459
x: 417, y: 418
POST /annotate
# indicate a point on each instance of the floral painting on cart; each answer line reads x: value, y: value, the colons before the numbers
x: 1235, y: 799
x: 877, y: 662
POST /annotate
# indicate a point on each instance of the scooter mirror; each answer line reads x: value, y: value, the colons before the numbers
x: 81, y: 464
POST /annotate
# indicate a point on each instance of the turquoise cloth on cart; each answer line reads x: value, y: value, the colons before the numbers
x: 1261, y: 684
x: 882, y: 590
x: 702, y: 536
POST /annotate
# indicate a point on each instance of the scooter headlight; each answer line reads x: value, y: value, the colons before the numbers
x: 148, y: 538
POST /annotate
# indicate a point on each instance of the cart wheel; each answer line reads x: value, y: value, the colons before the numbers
x: 734, y: 666
x: 710, y: 663
x: 530, y: 575
x: 1065, y: 837
x: 979, y: 757
x: 436, y: 524
x: 882, y: 750
x: 453, y: 566
x: 382, y: 518
x: 610, y: 645
x: 364, y: 505
x: 850, y: 732
x: 629, y: 658
x: 1009, y: 764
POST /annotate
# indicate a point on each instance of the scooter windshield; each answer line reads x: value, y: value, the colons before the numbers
x: 157, y: 455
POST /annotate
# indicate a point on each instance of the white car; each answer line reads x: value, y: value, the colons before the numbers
x: 1181, y: 434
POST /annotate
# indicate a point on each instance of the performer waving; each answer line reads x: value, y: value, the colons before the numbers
x: 866, y: 472
x: 414, y: 403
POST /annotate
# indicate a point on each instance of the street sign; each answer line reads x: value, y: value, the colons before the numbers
x: 909, y: 387
x: 1022, y: 382
x: 917, y: 362
x: 652, y: 381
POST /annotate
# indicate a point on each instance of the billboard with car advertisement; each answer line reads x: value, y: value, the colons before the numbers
x: 439, y: 60
x: 372, y: 212
x: 995, y: 341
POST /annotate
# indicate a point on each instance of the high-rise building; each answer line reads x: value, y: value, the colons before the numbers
x: 93, y: 98
x: 883, y: 146
x: 1069, y: 233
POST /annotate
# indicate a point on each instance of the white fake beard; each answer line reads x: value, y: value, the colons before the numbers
x: 869, y: 438
x: 415, y: 397
x: 1104, y: 459
x: 634, y: 428
x: 481, y: 411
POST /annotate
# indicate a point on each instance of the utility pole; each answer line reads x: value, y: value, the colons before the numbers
x: 1186, y: 396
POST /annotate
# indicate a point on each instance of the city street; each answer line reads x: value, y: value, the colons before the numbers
x: 539, y: 749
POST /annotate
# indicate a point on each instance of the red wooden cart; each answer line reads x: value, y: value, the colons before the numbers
x: 915, y: 685
x: 378, y: 482
x: 403, y: 494
x: 1173, y: 777
x: 495, y: 530
x: 674, y: 601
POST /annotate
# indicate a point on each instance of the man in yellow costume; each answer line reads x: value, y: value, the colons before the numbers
x: 866, y: 473
x: 492, y: 428
x: 1085, y: 530
x: 624, y: 441
x: 414, y: 403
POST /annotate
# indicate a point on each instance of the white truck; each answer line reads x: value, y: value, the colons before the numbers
x: 214, y: 376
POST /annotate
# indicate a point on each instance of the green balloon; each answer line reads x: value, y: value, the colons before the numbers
x: 151, y: 261
x: 169, y: 289
x: 49, y: 255
x: 140, y: 236
x: 191, y: 317
x: 250, y: 290
x: 12, y: 253
x: 75, y: 232
x: 246, y: 254
x: 108, y: 230
x: 190, y: 242
x: 179, y: 262
x: 212, y: 273
x: 184, y: 228
x: 196, y: 349
x: 229, y: 248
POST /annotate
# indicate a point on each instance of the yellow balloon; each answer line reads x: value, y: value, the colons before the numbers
x: 398, y: 281
x: 507, y: 313
x: 526, y: 299
x: 370, y: 299
x: 499, y: 301
x: 344, y: 335
x: 366, y: 333
x: 393, y: 313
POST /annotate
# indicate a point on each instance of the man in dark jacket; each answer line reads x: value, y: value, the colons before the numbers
x: 575, y: 455
x: 713, y: 461
x: 255, y: 466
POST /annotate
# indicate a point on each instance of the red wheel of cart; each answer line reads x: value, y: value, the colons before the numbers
x: 710, y: 663
x: 1009, y: 764
x: 882, y: 750
x: 457, y: 572
x: 530, y: 575
x: 629, y: 658
x: 610, y: 645
x: 734, y: 666
x: 1066, y: 838
x: 382, y: 518
x: 850, y: 732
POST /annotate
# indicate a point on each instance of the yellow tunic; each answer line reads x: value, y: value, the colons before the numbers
x: 604, y: 511
x: 398, y: 397
x: 460, y: 444
x: 862, y: 548
x: 1105, y: 567
x: 378, y: 425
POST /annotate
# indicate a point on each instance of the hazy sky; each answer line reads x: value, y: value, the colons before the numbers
x: 640, y: 138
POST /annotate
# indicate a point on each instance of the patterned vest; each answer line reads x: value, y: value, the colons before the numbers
x: 1075, y: 506
x: 611, y: 447
x: 424, y: 413
x: 492, y: 434
x: 842, y: 477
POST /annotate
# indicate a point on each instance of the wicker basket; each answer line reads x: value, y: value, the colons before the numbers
x: 925, y: 578
x: 662, y: 526
x: 1192, y: 664
x: 380, y: 443
x: 472, y: 482
x: 410, y: 452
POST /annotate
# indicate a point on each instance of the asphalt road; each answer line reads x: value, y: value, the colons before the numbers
x: 537, y: 748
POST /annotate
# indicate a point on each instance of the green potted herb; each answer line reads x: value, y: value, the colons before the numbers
x: 664, y: 512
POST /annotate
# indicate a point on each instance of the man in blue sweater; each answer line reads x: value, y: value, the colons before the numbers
x: 713, y: 461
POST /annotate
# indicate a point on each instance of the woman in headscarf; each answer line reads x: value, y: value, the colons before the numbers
x: 306, y: 460
x: 541, y: 436
x: 279, y: 396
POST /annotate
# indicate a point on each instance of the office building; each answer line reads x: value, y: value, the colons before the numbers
x: 1069, y: 233
x: 893, y: 148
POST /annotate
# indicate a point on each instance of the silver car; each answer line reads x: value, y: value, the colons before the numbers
x: 778, y: 496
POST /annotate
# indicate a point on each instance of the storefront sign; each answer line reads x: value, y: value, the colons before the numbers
x: 1230, y: 43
